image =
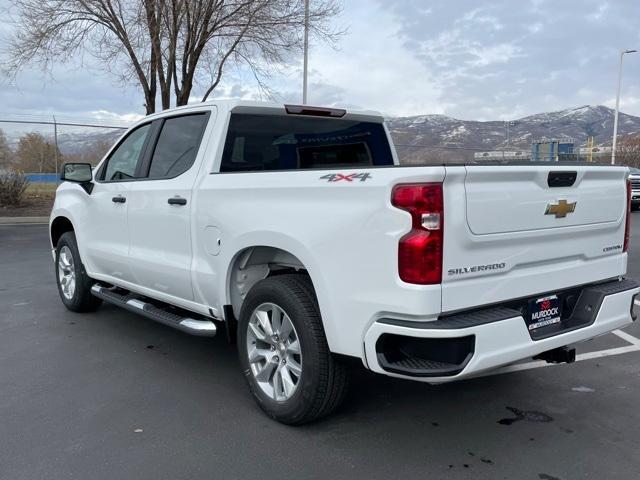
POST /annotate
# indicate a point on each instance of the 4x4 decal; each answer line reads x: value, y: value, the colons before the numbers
x: 337, y: 177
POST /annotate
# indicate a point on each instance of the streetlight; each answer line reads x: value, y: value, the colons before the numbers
x: 306, y: 52
x: 615, y: 119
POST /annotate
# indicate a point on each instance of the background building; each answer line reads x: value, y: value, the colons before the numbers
x: 502, y: 155
x: 552, y: 149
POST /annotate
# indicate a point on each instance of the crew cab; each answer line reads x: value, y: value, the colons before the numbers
x: 295, y: 231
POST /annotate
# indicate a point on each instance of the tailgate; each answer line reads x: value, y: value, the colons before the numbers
x: 516, y: 231
x: 504, y: 199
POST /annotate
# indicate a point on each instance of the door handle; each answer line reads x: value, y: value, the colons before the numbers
x: 119, y: 199
x: 177, y: 201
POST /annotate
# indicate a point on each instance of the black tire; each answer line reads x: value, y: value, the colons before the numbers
x: 323, y: 382
x: 82, y: 300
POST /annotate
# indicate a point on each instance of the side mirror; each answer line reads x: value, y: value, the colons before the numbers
x: 78, y: 173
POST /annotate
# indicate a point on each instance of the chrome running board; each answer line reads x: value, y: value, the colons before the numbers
x: 136, y: 303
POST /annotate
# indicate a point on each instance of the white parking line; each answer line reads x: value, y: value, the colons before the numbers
x: 634, y: 347
x: 626, y: 337
x: 583, y: 356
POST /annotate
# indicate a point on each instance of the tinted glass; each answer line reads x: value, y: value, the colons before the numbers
x: 277, y: 142
x: 177, y: 146
x: 123, y: 161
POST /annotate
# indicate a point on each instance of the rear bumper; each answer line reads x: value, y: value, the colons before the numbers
x: 469, y: 344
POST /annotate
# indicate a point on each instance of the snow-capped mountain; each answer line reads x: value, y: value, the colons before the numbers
x: 69, y: 143
x: 445, y: 138
x: 79, y: 142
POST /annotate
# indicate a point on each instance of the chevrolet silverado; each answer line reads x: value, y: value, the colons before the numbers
x: 295, y: 231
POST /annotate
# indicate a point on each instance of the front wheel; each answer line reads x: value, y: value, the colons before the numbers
x: 74, y: 285
x: 284, y: 353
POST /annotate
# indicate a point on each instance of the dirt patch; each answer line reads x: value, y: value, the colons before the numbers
x: 33, y: 205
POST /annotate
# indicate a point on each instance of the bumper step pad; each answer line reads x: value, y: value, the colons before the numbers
x: 410, y: 364
x: 424, y: 357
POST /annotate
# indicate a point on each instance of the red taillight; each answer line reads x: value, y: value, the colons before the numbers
x: 420, y: 250
x: 627, y: 224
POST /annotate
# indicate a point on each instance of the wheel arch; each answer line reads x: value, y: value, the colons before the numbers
x: 59, y: 226
x: 254, y: 263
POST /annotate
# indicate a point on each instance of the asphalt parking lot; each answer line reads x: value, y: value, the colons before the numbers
x: 111, y: 395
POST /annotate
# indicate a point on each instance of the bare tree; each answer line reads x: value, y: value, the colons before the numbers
x: 35, y: 154
x: 167, y: 44
x: 6, y: 155
x: 628, y: 151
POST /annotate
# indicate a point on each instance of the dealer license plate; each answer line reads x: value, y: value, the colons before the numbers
x: 543, y: 312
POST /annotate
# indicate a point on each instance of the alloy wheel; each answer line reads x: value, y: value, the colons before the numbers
x: 274, y: 351
x: 66, y: 273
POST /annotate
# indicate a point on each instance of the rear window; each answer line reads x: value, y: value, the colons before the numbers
x: 276, y: 142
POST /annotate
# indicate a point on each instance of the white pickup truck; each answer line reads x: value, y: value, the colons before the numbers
x: 294, y: 230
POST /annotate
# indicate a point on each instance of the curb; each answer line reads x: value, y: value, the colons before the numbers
x: 23, y: 220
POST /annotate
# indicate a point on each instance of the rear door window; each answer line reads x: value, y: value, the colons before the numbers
x: 177, y: 145
x: 277, y: 142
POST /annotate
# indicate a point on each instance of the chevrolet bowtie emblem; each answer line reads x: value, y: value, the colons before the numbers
x: 560, y: 209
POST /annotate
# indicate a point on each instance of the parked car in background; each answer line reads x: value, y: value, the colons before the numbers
x: 294, y: 229
x: 634, y: 178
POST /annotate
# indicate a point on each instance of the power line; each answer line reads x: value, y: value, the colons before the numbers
x: 54, y: 121
x: 65, y: 124
x: 70, y: 120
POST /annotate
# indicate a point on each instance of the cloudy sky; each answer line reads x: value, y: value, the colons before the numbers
x: 470, y: 59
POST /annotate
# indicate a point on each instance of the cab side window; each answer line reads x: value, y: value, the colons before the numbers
x: 177, y: 145
x: 123, y: 162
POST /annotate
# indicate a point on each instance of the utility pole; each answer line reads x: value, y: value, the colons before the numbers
x: 615, y: 119
x: 506, y: 132
x: 55, y: 141
x: 306, y: 52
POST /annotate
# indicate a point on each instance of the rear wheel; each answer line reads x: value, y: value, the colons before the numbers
x: 284, y: 353
x: 74, y: 285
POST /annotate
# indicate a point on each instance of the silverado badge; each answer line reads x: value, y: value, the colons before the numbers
x: 560, y: 209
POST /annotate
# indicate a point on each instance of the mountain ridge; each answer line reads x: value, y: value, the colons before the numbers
x: 438, y: 135
x: 444, y: 138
